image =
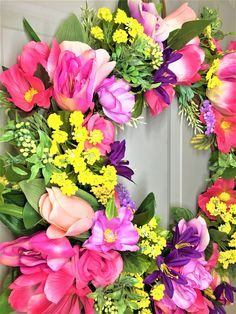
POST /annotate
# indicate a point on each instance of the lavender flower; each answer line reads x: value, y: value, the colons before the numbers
x: 124, y: 197
x: 209, y: 116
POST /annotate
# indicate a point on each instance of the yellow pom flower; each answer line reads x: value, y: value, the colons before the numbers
x: 97, y: 32
x: 104, y: 14
x: 4, y: 181
x: 225, y: 228
x: 134, y: 27
x: 120, y: 36
x: 76, y: 118
x: 58, y: 178
x: 80, y: 134
x: 60, y: 161
x: 228, y: 257
x: 139, y: 284
x: 95, y: 137
x: 59, y: 137
x: 224, y: 197
x: 69, y: 188
x: 232, y: 209
x: 92, y: 155
x: 54, y: 148
x: 227, y: 217
x: 157, y: 292
x: 79, y: 165
x: 54, y: 121
x: 121, y: 17
x: 102, y: 193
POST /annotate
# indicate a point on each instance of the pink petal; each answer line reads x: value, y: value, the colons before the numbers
x: 80, y: 226
x: 54, y: 233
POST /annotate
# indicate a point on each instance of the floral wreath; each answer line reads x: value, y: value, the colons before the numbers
x: 82, y: 245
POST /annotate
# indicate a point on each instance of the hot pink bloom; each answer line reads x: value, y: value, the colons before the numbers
x: 33, y: 53
x: 213, y: 260
x: 116, y: 99
x: 76, y: 71
x: 187, y: 67
x: 102, y: 269
x: 201, y: 304
x: 115, y: 234
x: 36, y: 252
x: 225, y: 130
x: 106, y: 128
x: 155, y: 102
x: 67, y: 215
x: 25, y: 90
x: 153, y: 24
x: 217, y: 189
x: 223, y: 97
x: 167, y: 306
x: 200, y: 226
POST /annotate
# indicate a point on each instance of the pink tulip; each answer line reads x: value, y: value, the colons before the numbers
x: 201, y: 304
x: 34, y: 252
x: 187, y: 67
x: 167, y: 306
x: 116, y: 99
x: 25, y: 90
x: 223, y: 97
x: 155, y: 102
x: 33, y: 53
x: 76, y: 71
x: 68, y: 216
x: 153, y: 24
x: 96, y: 122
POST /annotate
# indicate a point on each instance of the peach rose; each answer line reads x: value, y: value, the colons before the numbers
x: 68, y: 216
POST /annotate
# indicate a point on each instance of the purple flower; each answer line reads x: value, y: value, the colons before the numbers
x: 115, y: 158
x: 209, y: 116
x: 116, y: 234
x: 125, y: 198
x: 116, y: 99
x: 217, y: 309
x: 225, y: 291
x: 166, y: 274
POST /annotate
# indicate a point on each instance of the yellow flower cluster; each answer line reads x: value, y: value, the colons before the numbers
x: 97, y: 32
x: 144, y: 302
x: 4, y: 181
x: 212, y: 79
x: 208, y: 35
x: 120, y: 36
x: 151, y: 243
x: 104, y: 14
x: 228, y: 257
x: 157, y: 292
x: 24, y: 139
x: 102, y: 183
x: 152, y: 50
x: 217, y: 207
x: 121, y: 17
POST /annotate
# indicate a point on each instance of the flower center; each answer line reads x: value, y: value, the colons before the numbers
x: 110, y: 236
x: 165, y: 269
x: 183, y: 245
x: 95, y: 137
x: 30, y: 94
x: 225, y: 125
x: 209, y: 292
x: 224, y: 197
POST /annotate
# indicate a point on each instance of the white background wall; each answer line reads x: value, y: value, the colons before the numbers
x: 159, y: 151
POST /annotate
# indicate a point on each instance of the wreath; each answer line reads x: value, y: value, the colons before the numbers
x: 82, y: 245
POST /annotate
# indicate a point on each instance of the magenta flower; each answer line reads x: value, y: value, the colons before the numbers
x: 116, y: 99
x: 116, y: 234
x: 36, y: 252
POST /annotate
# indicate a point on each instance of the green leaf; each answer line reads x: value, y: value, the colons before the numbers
x: 71, y: 30
x: 33, y: 190
x: 123, y: 5
x: 229, y: 173
x: 13, y: 176
x: 177, y: 213
x: 15, y: 197
x: 2, y: 188
x: 2, y: 168
x: 19, y: 171
x: 219, y: 237
x: 138, y: 107
x: 88, y: 198
x: 7, y: 136
x: 145, y: 211
x: 11, y: 209
x: 34, y: 171
x: 179, y: 38
x: 29, y: 31
x: 4, y: 305
x: 135, y: 262
x: 111, y: 210
x: 209, y: 251
x: 30, y: 217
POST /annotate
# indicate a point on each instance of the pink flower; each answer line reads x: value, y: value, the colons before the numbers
x: 153, y: 24
x: 76, y: 71
x: 33, y: 53
x: 225, y: 130
x: 102, y: 269
x: 201, y: 304
x: 155, y: 102
x: 223, y: 97
x: 116, y: 234
x: 187, y: 67
x: 106, y: 129
x: 116, y: 99
x: 200, y: 226
x: 67, y: 215
x: 218, y: 189
x: 167, y: 306
x: 25, y: 90
x: 213, y: 260
x: 34, y: 252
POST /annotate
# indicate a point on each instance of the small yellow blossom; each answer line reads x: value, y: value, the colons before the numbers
x: 102, y: 193
x: 224, y: 197
x: 54, y: 121
x: 225, y: 228
x: 157, y: 292
x: 60, y: 161
x: 226, y: 216
x: 80, y: 134
x: 213, y: 81
x: 95, y: 137
x: 232, y: 209
x: 134, y: 27
x: 69, y: 188
x: 228, y: 257
x: 58, y: 178
x: 121, y: 17
x: 97, y: 32
x: 59, y: 136
x: 120, y: 36
x: 105, y: 14
x: 76, y: 118
x: 92, y: 155
x: 3, y: 180
x: 54, y: 148
x: 208, y: 34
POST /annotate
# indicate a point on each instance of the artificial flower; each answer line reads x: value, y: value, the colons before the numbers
x: 222, y: 96
x: 167, y: 306
x: 117, y: 233
x: 225, y: 292
x: 76, y: 70
x: 67, y: 215
x: 207, y: 116
x: 124, y: 197
x: 116, y: 99
x: 154, y: 25
x: 201, y: 304
x: 101, y: 133
x: 25, y: 90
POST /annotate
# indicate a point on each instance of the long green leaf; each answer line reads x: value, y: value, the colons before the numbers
x: 135, y: 262
x: 88, y: 198
x: 4, y: 305
x: 145, y: 211
x: 179, y: 38
x: 29, y: 31
x: 12, y: 210
x: 71, y: 30
x: 111, y: 210
x: 123, y: 5
x: 30, y: 217
x: 33, y: 190
x: 177, y: 213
